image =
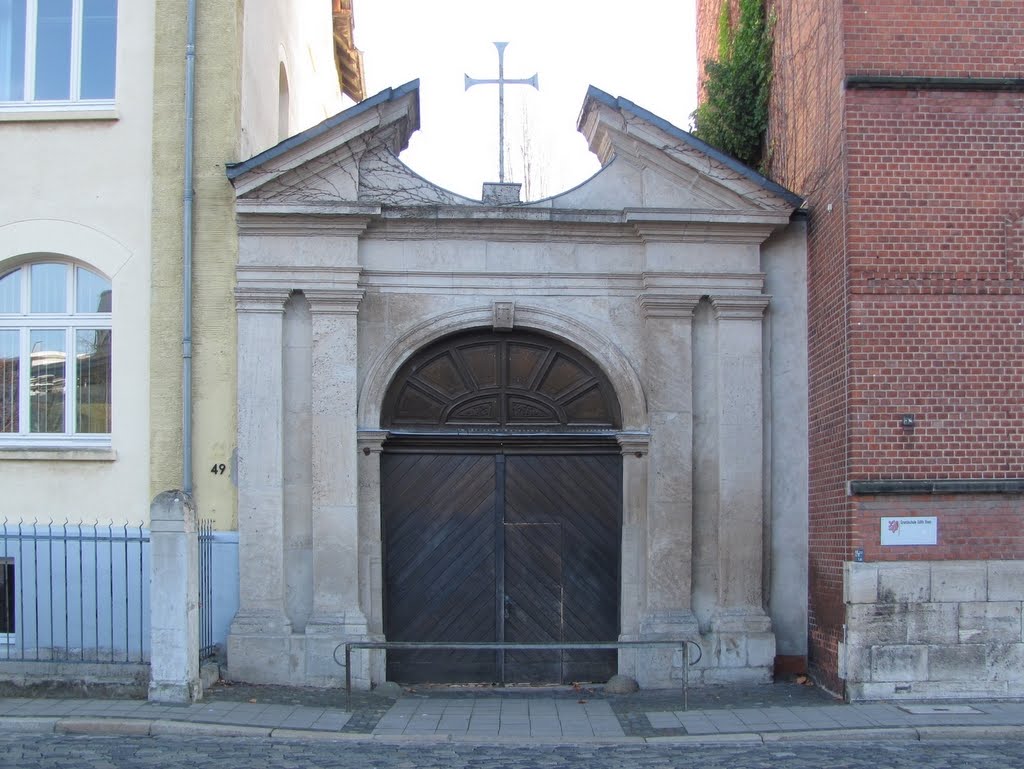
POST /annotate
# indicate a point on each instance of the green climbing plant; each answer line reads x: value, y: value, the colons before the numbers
x: 734, y: 113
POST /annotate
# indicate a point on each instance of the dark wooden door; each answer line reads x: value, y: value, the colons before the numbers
x: 487, y: 547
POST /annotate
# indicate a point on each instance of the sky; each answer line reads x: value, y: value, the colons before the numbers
x: 642, y: 50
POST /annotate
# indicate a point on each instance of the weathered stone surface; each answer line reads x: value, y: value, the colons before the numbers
x: 904, y: 582
x: 854, y: 662
x: 962, y: 662
x: 959, y: 581
x: 873, y: 624
x: 990, y: 622
x: 933, y: 623
x: 860, y: 582
x: 899, y: 663
x: 1006, y: 663
x: 1005, y: 580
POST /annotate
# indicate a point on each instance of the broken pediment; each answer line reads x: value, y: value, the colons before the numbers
x: 647, y: 164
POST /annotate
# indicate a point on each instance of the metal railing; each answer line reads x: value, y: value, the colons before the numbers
x: 207, y: 644
x: 74, y: 593
x: 503, y: 646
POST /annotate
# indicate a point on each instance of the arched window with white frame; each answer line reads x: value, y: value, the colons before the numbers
x: 55, y: 355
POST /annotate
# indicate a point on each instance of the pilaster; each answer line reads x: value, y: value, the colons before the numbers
x: 741, y: 450
x: 258, y: 642
x: 371, y: 574
x: 668, y: 320
x: 337, y: 614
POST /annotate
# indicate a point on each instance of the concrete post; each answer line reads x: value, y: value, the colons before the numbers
x: 174, y: 599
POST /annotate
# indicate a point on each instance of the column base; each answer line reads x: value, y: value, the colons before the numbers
x: 325, y: 661
x: 259, y: 648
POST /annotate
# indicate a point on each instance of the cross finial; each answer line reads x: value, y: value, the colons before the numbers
x: 501, y: 82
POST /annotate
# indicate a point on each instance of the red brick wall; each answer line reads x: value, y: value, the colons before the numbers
x: 805, y: 154
x: 984, y: 527
x: 936, y: 184
x: 934, y: 38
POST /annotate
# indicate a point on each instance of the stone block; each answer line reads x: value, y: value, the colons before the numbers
x: 992, y: 622
x: 872, y: 624
x: 865, y: 690
x: 899, y: 663
x: 715, y: 677
x: 730, y: 650
x: 933, y: 623
x: 1006, y: 662
x: 761, y: 649
x: 860, y: 582
x: 959, y: 581
x: 904, y: 582
x: 854, y: 662
x: 958, y: 662
x: 1005, y: 580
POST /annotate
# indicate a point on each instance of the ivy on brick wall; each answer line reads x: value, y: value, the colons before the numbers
x: 733, y: 115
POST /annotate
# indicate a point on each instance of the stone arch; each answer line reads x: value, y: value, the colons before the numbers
x: 605, y: 353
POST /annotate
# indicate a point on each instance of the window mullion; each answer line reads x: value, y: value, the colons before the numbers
x: 76, y: 49
x: 31, y: 22
x: 70, y: 380
x: 24, y: 378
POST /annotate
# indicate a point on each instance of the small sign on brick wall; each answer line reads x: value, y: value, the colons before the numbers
x: 910, y: 531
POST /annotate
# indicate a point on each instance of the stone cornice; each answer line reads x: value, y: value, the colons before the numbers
x: 333, y: 301
x: 371, y: 441
x: 666, y: 305
x: 254, y: 299
x: 298, y: 278
x: 304, y: 221
x: 740, y: 307
x: 635, y: 444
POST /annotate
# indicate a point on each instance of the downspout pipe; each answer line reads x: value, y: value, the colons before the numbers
x: 187, y: 248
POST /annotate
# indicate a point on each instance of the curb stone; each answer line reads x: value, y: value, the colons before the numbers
x: 844, y: 735
x: 118, y: 726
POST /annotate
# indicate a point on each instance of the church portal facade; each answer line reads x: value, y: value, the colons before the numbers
x: 576, y: 419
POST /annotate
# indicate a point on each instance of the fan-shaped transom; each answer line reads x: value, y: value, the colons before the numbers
x: 514, y: 382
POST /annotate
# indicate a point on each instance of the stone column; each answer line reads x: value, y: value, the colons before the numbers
x: 174, y: 598
x: 633, y: 590
x: 740, y: 487
x: 337, y: 615
x: 259, y: 642
x: 371, y: 577
x: 668, y: 321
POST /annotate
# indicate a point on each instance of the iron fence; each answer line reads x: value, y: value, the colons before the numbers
x: 207, y: 644
x: 74, y: 593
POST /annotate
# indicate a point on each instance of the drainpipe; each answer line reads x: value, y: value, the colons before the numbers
x: 186, y: 271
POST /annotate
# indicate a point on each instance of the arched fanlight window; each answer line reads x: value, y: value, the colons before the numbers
x: 55, y: 354
x: 514, y: 382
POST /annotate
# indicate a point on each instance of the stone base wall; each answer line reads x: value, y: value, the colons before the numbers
x: 933, y: 630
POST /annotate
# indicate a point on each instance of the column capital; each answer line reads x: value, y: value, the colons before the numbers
x: 371, y: 441
x: 261, y: 300
x: 637, y: 444
x: 740, y: 307
x: 334, y: 301
x: 668, y: 305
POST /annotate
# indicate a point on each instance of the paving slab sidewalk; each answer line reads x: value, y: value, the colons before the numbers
x: 558, y: 716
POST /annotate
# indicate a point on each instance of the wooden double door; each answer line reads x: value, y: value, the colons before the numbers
x: 502, y: 545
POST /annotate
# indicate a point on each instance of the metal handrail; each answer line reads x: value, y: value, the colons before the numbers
x: 504, y: 646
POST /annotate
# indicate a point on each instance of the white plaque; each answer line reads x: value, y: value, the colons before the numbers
x: 910, y: 531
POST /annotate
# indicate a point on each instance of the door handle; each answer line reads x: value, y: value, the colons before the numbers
x: 509, y: 606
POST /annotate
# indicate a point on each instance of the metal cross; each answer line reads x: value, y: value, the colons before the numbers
x: 501, y: 82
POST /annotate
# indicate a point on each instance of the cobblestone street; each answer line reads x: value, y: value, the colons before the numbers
x: 84, y: 752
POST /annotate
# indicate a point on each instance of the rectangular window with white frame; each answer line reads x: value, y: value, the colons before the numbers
x: 55, y: 356
x: 57, y: 53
